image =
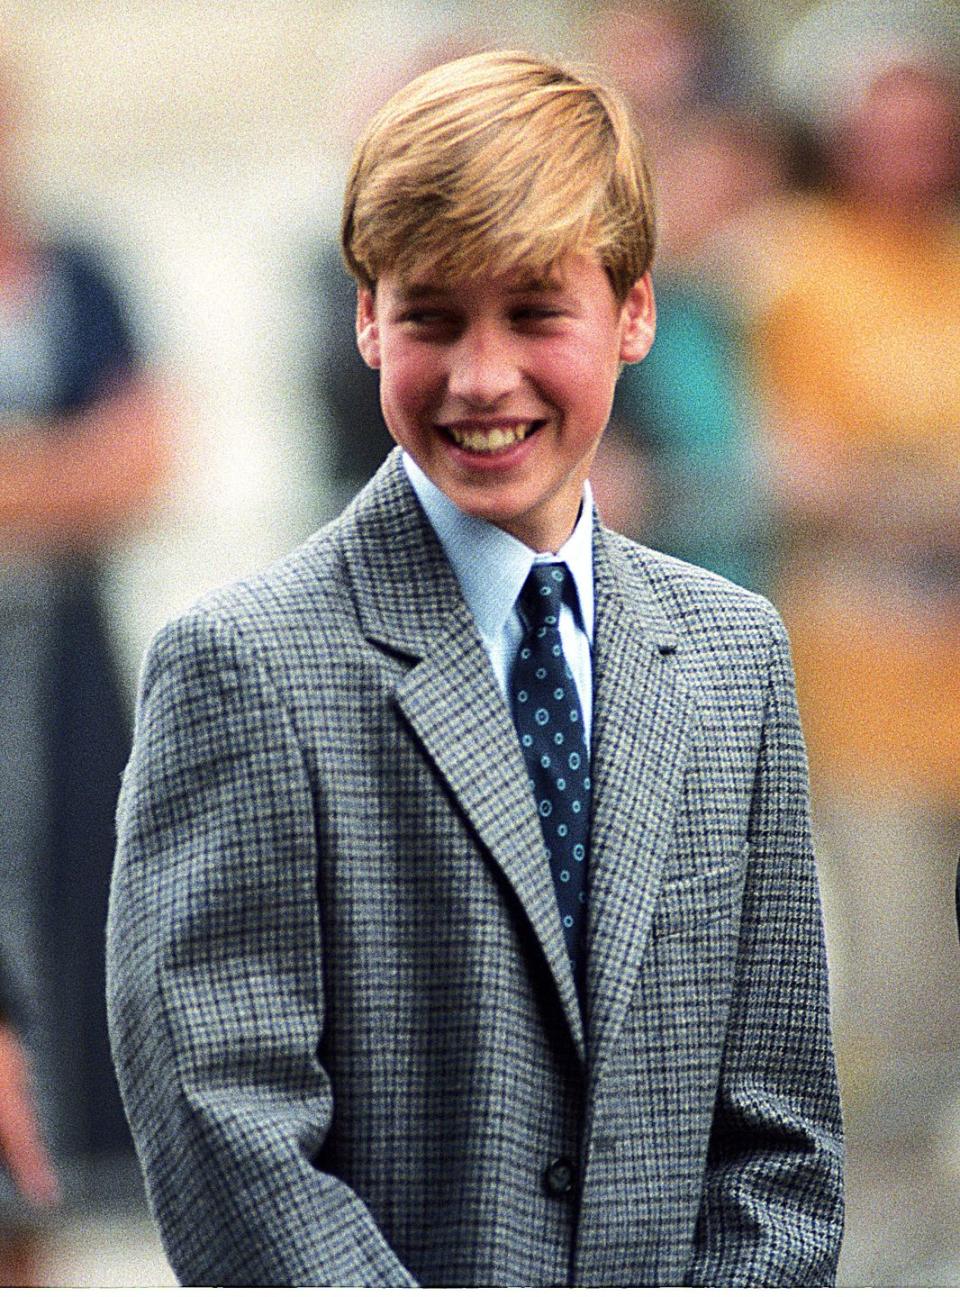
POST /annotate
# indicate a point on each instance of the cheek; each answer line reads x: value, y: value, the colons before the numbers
x: 582, y: 381
x: 408, y: 384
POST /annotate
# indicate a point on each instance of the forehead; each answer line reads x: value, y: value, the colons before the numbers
x: 566, y: 274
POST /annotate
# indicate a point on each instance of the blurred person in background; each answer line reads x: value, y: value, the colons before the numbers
x: 857, y: 337
x: 669, y: 57
x: 682, y: 469
x: 22, y: 1153
x: 82, y: 450
x: 350, y: 439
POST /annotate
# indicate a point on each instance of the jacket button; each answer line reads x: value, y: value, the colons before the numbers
x: 560, y: 1178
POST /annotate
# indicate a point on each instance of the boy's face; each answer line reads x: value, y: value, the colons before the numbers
x: 500, y: 388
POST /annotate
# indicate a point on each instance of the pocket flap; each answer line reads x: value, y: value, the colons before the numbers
x: 690, y: 902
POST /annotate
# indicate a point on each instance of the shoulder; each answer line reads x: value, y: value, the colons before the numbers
x: 301, y: 601
x: 302, y: 611
x: 695, y: 613
x: 685, y: 592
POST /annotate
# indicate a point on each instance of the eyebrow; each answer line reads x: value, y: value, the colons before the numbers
x: 534, y: 284
x: 414, y: 292
x: 539, y: 284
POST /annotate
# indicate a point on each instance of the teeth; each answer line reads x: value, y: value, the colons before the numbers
x: 489, y: 438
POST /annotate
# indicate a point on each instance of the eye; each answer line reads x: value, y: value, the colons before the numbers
x: 421, y: 315
x: 428, y: 320
x: 536, y: 315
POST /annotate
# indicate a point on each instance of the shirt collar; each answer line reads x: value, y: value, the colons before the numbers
x: 491, y: 565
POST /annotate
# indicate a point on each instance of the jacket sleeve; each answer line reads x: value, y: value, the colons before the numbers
x: 771, y: 1214
x: 215, y: 981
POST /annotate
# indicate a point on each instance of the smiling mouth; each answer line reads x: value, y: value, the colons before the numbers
x: 486, y: 440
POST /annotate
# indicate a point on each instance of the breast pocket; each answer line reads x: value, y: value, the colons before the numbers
x: 691, y: 903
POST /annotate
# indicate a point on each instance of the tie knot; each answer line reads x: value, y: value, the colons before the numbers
x: 543, y: 593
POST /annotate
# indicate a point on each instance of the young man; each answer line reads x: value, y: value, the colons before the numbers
x: 464, y: 927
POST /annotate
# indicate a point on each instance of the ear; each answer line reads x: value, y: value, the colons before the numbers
x: 638, y: 321
x: 368, y: 329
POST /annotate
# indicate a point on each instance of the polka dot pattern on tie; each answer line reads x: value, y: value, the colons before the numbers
x: 548, y: 716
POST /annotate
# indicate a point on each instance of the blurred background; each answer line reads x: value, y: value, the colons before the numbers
x: 180, y: 402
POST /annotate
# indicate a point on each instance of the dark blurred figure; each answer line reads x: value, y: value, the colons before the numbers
x: 354, y: 440
x: 82, y: 449
x: 350, y: 437
x: 682, y: 468
x: 858, y: 340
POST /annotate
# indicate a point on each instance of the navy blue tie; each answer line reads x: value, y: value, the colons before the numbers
x: 549, y: 721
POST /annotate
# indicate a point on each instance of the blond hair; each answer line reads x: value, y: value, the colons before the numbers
x: 494, y: 162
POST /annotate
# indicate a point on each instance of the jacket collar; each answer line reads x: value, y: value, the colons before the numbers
x: 409, y: 603
x: 405, y: 590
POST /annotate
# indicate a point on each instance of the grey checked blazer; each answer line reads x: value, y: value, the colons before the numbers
x: 342, y: 1011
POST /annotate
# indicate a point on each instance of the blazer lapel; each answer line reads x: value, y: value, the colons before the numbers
x: 409, y: 602
x: 643, y: 713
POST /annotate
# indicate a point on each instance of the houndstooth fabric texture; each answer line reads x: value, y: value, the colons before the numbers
x: 342, y: 1011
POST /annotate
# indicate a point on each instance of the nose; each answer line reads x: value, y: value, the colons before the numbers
x: 483, y: 369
